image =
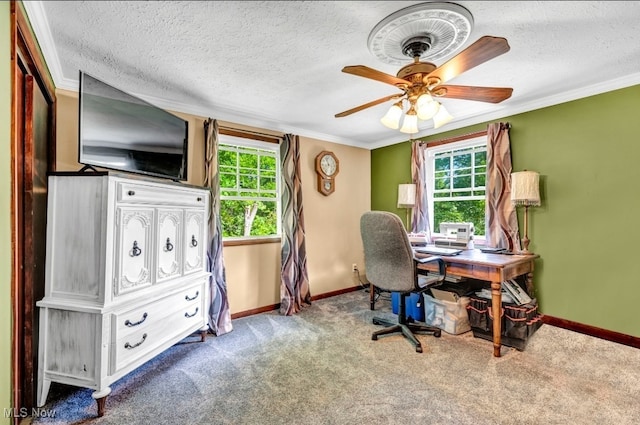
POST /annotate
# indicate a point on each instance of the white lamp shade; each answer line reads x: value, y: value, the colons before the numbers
x: 392, y: 118
x: 426, y: 107
x: 442, y: 117
x: 410, y: 124
x: 525, y: 188
x: 406, y: 195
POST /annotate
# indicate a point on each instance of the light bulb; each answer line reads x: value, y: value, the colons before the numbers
x: 410, y: 123
x: 442, y: 117
x: 392, y: 117
x: 426, y: 106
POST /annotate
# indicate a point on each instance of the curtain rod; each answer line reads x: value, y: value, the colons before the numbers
x: 249, y: 134
x: 461, y: 137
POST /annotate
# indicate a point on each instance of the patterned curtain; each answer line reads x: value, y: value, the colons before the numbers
x: 294, y: 288
x: 502, y: 221
x: 420, y: 215
x: 219, y: 315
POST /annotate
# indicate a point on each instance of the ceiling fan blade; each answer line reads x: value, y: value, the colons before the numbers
x: 366, y: 72
x: 368, y: 105
x: 481, y: 94
x: 484, y: 49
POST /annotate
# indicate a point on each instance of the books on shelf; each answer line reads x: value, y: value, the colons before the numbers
x: 516, y: 292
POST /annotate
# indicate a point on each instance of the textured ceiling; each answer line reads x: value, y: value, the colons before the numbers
x: 277, y: 64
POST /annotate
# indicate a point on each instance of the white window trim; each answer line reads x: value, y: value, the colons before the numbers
x: 429, y: 154
x: 250, y: 143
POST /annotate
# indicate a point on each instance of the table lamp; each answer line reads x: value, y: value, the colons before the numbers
x: 525, y: 190
x: 407, y: 199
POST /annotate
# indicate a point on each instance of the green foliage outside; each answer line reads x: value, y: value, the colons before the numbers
x: 248, y: 179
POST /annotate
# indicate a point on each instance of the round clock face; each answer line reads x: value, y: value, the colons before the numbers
x: 328, y: 165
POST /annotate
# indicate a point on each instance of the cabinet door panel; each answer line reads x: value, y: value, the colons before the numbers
x: 169, y: 244
x: 195, y: 241
x: 133, y: 253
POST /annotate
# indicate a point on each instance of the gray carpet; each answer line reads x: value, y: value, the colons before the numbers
x: 321, y: 367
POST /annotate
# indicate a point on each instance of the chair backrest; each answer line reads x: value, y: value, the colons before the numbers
x: 388, y: 255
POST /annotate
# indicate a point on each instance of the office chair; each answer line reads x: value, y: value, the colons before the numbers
x: 391, y: 265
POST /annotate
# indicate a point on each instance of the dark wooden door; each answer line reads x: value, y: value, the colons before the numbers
x: 35, y: 148
x: 33, y: 155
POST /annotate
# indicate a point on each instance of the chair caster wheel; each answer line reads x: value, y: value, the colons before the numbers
x: 437, y: 334
x: 418, y: 349
x: 374, y: 338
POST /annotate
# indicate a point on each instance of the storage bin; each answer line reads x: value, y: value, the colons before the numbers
x: 451, y: 317
x: 413, y: 306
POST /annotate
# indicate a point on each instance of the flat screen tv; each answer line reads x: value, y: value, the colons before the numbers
x: 118, y: 131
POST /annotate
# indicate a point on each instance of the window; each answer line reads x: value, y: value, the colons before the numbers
x: 456, y: 175
x: 249, y: 188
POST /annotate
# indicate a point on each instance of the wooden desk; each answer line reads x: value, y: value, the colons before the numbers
x: 494, y: 268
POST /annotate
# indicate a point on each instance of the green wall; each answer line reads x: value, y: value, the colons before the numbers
x: 587, y: 153
x: 5, y: 210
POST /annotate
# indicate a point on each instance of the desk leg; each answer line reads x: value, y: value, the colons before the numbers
x: 529, y: 283
x: 372, y: 296
x: 496, y: 309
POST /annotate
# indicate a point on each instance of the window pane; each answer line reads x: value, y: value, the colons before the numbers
x: 480, y: 180
x: 462, y: 182
x: 268, y: 163
x: 267, y: 183
x: 248, y: 161
x: 481, y: 158
x: 442, y: 183
x: 248, y: 182
x: 461, y: 161
x: 228, y: 180
x: 442, y: 164
x: 227, y: 158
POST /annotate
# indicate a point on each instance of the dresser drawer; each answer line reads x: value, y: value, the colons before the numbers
x: 137, y: 345
x: 133, y: 193
x: 140, y: 317
x: 139, y: 331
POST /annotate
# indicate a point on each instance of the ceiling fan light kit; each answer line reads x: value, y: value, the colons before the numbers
x: 427, y: 31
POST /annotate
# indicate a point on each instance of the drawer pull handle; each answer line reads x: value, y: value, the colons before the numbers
x: 199, y: 199
x: 194, y: 242
x: 186, y: 297
x: 187, y: 315
x: 131, y: 193
x: 168, y: 246
x: 132, y: 324
x: 130, y: 347
x: 135, y: 251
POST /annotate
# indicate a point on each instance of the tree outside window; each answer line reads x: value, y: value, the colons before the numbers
x: 249, y: 189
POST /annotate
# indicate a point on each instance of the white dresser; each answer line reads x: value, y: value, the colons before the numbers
x: 126, y: 276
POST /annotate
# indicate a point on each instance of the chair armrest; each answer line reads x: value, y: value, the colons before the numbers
x: 442, y: 267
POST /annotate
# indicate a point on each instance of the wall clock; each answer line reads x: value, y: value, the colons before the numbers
x: 327, y: 167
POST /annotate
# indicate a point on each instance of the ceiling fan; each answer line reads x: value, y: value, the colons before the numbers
x: 420, y: 82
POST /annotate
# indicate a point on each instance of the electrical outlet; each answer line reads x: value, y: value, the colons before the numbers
x: 354, y: 267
